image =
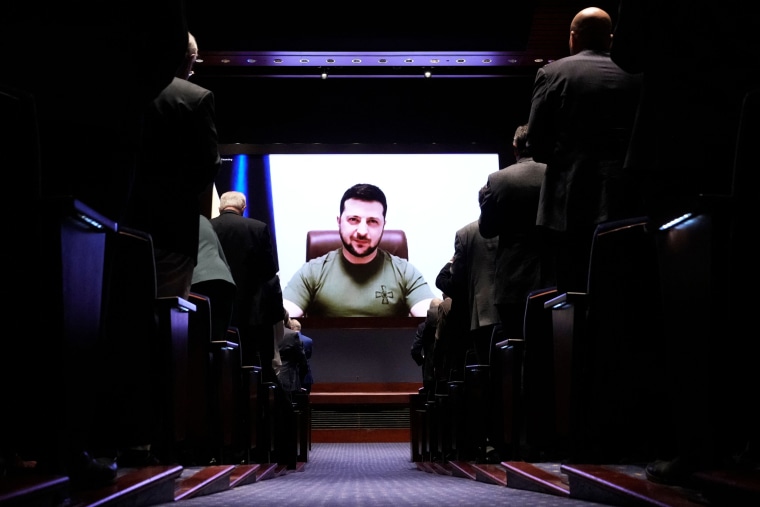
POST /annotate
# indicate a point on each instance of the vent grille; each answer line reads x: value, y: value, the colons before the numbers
x: 352, y: 418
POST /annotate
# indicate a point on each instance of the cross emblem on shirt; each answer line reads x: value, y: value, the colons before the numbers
x: 385, y: 294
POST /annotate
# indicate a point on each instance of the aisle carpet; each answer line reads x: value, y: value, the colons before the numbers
x: 372, y: 475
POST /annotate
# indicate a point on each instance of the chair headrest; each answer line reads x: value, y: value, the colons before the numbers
x: 318, y: 243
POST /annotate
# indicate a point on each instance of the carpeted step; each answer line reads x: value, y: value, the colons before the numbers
x: 490, y: 473
x: 530, y: 477
x: 625, y: 485
x: 33, y: 489
x: 244, y: 474
x: 201, y: 481
x: 133, y: 487
x: 463, y: 469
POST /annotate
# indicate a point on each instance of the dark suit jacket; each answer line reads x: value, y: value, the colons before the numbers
x: 472, y: 275
x: 582, y: 113
x: 423, y: 344
x: 212, y: 263
x: 508, y: 207
x: 291, y: 373
x: 247, y: 245
x: 308, y: 348
x: 180, y: 161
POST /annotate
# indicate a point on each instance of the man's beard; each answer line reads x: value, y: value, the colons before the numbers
x: 348, y: 246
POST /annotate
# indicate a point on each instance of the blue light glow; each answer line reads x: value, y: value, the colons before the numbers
x: 239, y: 178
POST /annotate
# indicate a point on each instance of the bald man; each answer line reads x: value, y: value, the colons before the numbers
x: 581, y: 117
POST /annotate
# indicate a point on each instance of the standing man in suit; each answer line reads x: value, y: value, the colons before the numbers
x: 468, y: 280
x: 179, y: 162
x: 308, y: 348
x: 508, y: 206
x: 422, y: 347
x: 177, y: 166
x: 258, y: 312
x: 582, y: 113
x: 293, y: 357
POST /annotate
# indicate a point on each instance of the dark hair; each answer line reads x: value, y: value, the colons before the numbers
x: 364, y: 192
x: 520, y: 141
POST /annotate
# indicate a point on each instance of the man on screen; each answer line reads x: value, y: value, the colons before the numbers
x: 358, y: 279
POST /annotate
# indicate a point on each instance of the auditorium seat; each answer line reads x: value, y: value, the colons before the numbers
x: 318, y: 243
x: 252, y: 407
x: 603, y: 343
x: 540, y: 433
x: 212, y: 387
x: 508, y: 412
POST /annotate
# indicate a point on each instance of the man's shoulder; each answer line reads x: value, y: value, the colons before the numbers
x: 569, y: 64
x: 387, y: 256
x: 467, y: 230
x: 521, y: 167
x: 316, y: 267
x: 183, y: 87
x: 229, y: 217
x: 325, y: 257
x: 224, y: 218
x: 398, y: 262
x: 290, y: 333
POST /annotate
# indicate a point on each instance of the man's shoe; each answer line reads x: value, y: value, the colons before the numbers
x: 87, y: 472
x: 676, y: 472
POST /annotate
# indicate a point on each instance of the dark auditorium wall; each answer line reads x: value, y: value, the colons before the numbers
x: 404, y: 110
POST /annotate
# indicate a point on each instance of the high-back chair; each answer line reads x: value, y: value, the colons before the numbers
x: 318, y: 243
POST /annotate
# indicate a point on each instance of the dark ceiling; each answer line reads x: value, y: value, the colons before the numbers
x: 389, y: 38
x: 247, y: 48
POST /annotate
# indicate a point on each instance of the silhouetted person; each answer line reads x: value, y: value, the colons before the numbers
x: 308, y: 348
x: 423, y: 345
x: 293, y: 357
x: 89, y: 113
x: 247, y: 244
x: 582, y: 112
x: 508, y: 207
x: 469, y: 282
x: 180, y: 159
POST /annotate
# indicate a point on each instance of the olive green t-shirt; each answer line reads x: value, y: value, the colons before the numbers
x: 330, y: 286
